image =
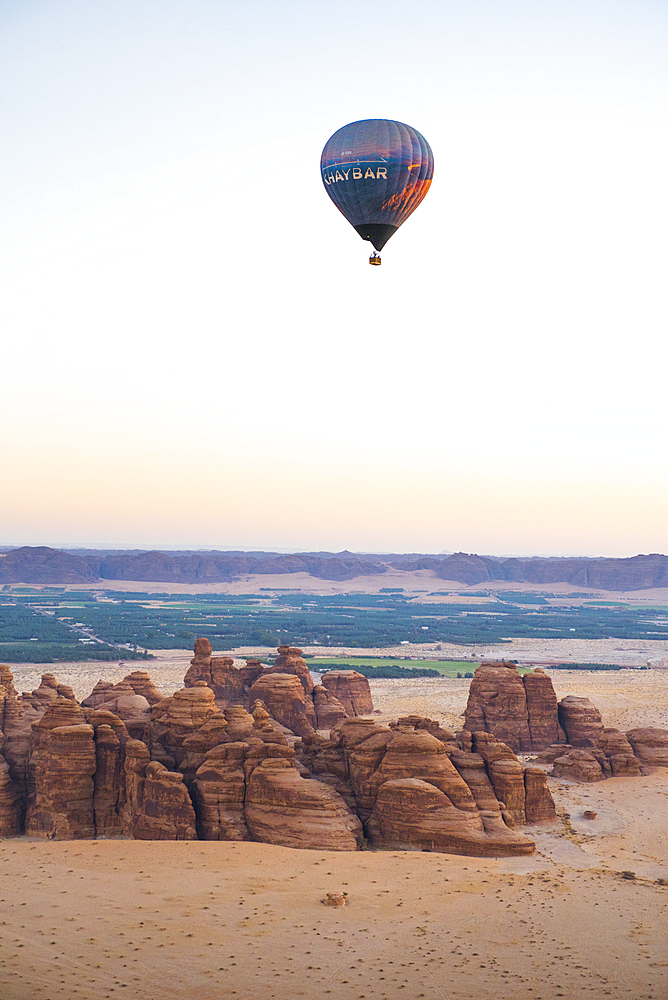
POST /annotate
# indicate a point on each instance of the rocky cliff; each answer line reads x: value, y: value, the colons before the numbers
x: 41, y: 564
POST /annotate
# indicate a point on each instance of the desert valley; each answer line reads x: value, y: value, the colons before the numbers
x: 176, y: 828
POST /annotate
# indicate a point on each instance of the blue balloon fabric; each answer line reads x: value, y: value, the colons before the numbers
x: 377, y: 172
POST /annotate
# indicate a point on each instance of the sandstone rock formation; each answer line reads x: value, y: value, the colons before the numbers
x: 102, y: 692
x: 539, y: 804
x: 497, y: 703
x: 341, y: 694
x: 544, y: 728
x: 506, y: 775
x: 284, y: 808
x: 650, y: 745
x: 211, y: 734
x: 16, y: 718
x: 291, y: 661
x: 46, y: 692
x: 157, y: 806
x: 431, y: 725
x: 619, y: 753
x: 558, y: 731
x: 269, y: 776
x: 579, y: 765
x: 60, y: 799
x: 411, y: 787
x: 286, y: 701
x: 6, y: 684
x: 581, y: 721
x: 174, y: 719
x: 328, y: 709
x: 219, y: 791
x: 10, y: 822
x: 351, y: 689
x: 218, y: 672
x: 239, y: 722
x: 109, y: 782
x: 111, y: 737
x: 121, y: 699
x: 141, y: 683
x: 521, y: 711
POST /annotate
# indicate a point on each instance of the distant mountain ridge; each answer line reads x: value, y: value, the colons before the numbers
x: 41, y: 564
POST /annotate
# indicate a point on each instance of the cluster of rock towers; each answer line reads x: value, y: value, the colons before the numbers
x: 261, y: 753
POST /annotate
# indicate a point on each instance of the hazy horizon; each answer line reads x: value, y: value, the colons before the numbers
x: 135, y: 547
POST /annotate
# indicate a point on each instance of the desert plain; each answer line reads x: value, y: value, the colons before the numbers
x: 585, y: 916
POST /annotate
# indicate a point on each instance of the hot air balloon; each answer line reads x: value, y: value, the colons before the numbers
x: 377, y: 172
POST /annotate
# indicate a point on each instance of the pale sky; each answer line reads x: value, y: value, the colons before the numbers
x: 194, y: 349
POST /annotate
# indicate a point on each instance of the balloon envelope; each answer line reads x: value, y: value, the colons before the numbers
x: 377, y: 172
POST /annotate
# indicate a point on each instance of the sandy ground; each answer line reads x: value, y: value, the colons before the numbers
x: 423, y: 581
x: 191, y: 921
x: 184, y: 921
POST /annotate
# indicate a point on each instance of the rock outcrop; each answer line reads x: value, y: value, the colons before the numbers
x: 109, y: 782
x: 581, y: 721
x: 284, y: 808
x: 141, y: 683
x: 542, y: 711
x: 328, y: 709
x: 286, y: 701
x: 17, y: 716
x: 270, y: 776
x: 619, y: 753
x: 342, y: 693
x: 157, y: 805
x: 219, y: 792
x: 650, y: 745
x: 174, y: 719
x: 497, y: 704
x: 520, y: 710
x: 10, y: 820
x: 558, y: 731
x: 111, y: 737
x: 103, y: 691
x: 411, y: 788
x: 506, y: 775
x: 239, y: 722
x: 351, y: 689
x: 134, y: 709
x: 291, y: 661
x: 579, y: 765
x: 218, y: 672
x: 46, y: 692
x: 539, y: 804
x: 62, y: 766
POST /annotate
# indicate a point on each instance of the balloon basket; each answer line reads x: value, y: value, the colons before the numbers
x: 375, y: 259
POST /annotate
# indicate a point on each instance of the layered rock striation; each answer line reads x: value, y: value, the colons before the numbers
x: 286, y: 689
x: 210, y: 769
x: 415, y: 785
x: 521, y: 711
x: 569, y: 734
